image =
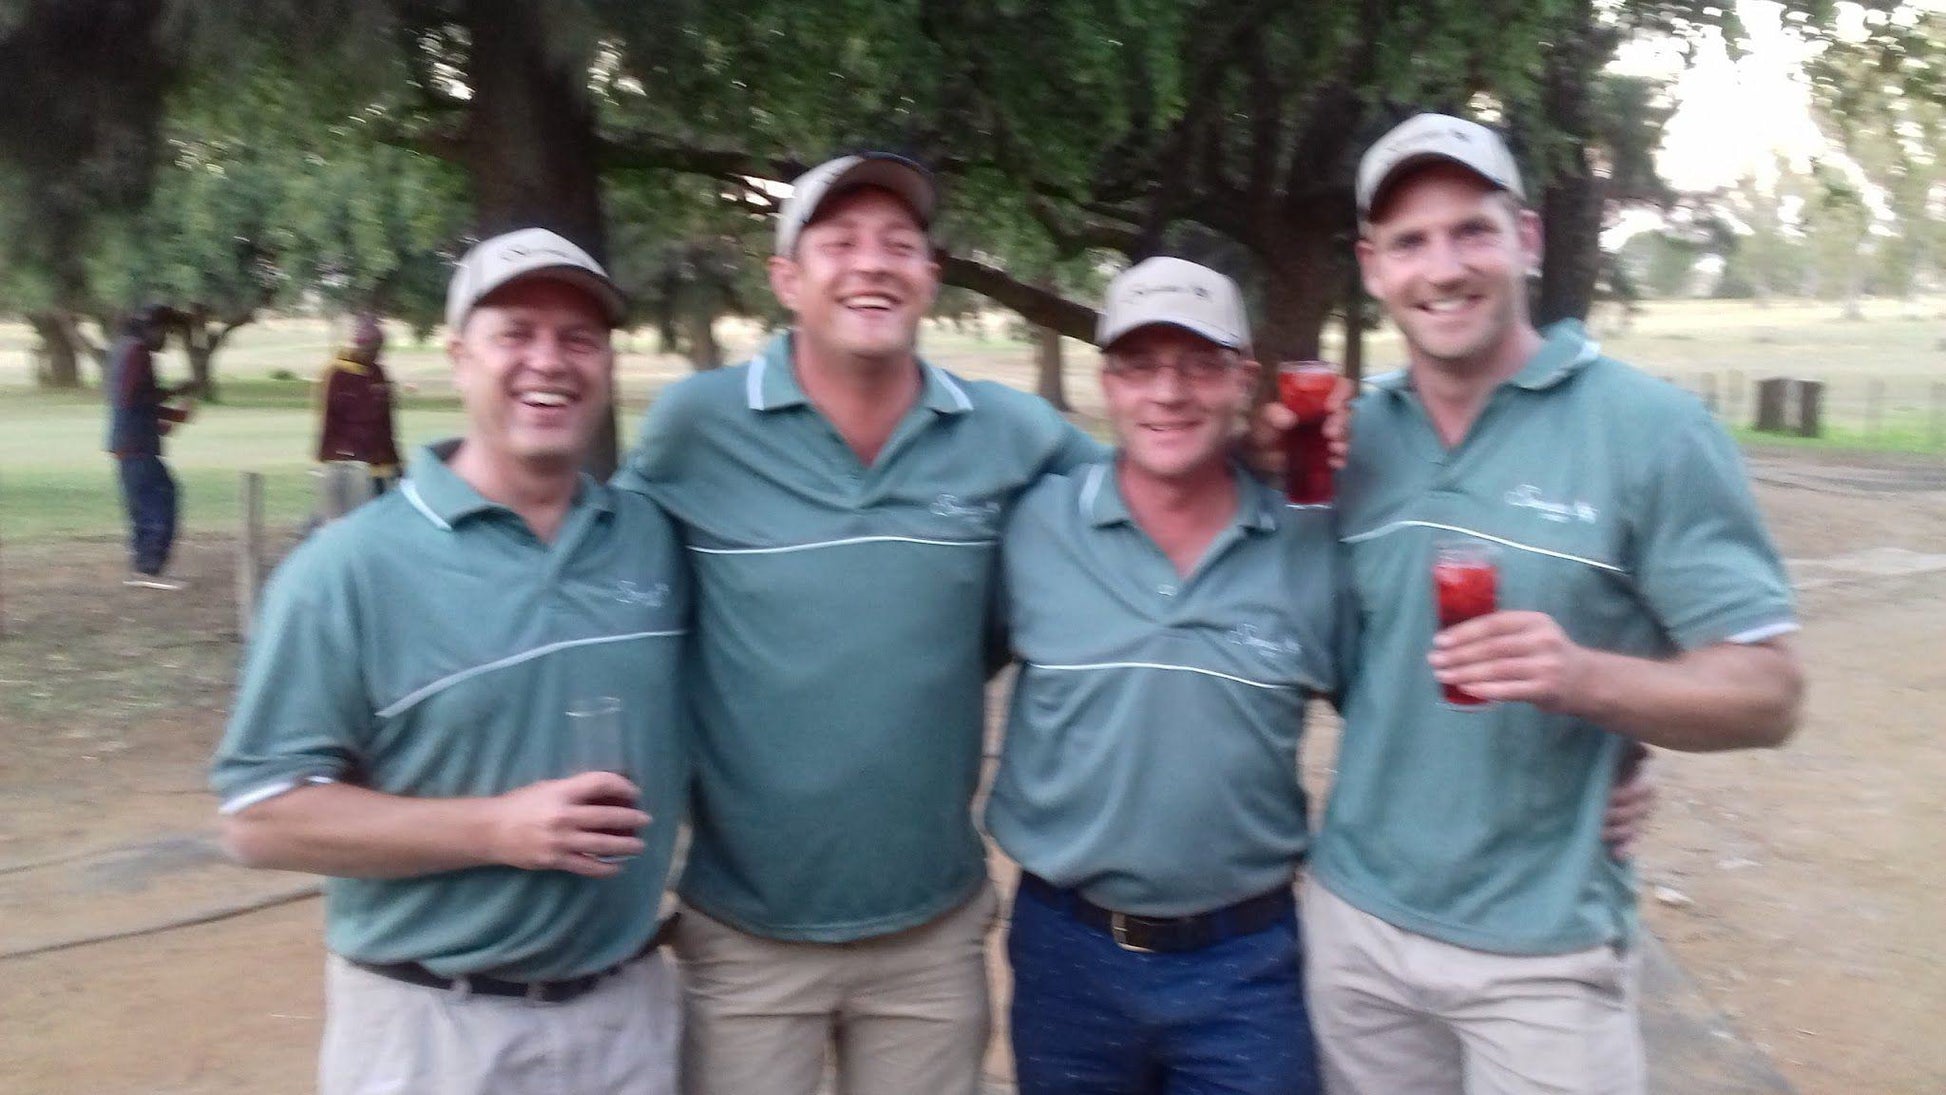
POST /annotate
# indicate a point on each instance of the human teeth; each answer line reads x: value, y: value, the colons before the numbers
x: 871, y: 302
x: 547, y: 399
x: 1448, y: 305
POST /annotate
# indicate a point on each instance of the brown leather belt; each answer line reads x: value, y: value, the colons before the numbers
x: 544, y: 992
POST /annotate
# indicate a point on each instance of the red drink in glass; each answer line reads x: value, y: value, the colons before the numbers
x: 1465, y: 583
x: 1305, y: 387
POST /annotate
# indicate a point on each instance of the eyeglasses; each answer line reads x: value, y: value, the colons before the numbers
x: 1192, y: 368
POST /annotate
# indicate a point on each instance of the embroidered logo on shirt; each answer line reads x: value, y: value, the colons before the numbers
x: 1270, y: 646
x: 951, y: 505
x: 1528, y: 496
x: 628, y: 593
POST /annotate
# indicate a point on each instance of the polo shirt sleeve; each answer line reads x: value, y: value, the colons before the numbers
x: 1703, y: 561
x: 302, y: 709
x: 1073, y: 447
x: 655, y: 459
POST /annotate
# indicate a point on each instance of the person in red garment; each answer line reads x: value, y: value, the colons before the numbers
x: 355, y: 407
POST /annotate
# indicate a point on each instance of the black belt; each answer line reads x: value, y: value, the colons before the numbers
x: 543, y: 992
x: 1149, y: 934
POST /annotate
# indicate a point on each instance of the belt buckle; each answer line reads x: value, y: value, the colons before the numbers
x: 1118, y: 928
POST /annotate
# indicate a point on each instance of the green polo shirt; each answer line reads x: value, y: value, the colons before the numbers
x: 429, y: 645
x: 1622, y: 511
x: 841, y: 638
x: 1151, y: 751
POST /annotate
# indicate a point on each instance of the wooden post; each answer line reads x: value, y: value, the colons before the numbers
x: 1733, y: 404
x: 1874, y: 406
x: 1937, y: 431
x: 1709, y: 394
x: 249, y: 549
x: 1773, y: 392
x: 1810, y: 408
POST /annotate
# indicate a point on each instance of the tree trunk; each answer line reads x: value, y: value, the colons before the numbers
x: 1354, y: 326
x: 1047, y: 368
x: 699, y: 340
x: 531, y: 146
x: 57, y: 363
x: 201, y: 341
x: 1303, y: 275
x: 1571, y: 205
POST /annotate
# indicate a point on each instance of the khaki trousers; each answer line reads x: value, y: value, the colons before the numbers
x: 1397, y: 1013
x: 384, y: 1037
x: 907, y: 1013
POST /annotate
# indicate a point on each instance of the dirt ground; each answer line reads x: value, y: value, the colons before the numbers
x: 1797, y: 886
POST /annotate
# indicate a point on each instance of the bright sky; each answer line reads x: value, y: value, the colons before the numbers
x: 1733, y: 117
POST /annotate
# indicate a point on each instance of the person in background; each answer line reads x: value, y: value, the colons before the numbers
x: 141, y: 412
x: 356, y: 406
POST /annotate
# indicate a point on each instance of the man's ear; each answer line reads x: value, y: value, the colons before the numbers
x: 783, y: 280
x: 1366, y: 255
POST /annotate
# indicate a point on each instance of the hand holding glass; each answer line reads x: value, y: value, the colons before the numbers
x: 1305, y: 387
x: 595, y: 745
x: 1465, y: 582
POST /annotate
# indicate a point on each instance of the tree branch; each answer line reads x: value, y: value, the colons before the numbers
x: 1039, y: 306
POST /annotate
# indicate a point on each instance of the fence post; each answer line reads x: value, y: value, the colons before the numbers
x: 249, y: 551
x: 1810, y: 408
x: 1709, y: 394
x: 1773, y: 392
x: 1938, y: 416
x: 1874, y: 406
x: 1733, y: 401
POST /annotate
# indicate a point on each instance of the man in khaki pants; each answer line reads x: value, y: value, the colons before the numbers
x: 841, y: 499
x: 1467, y: 930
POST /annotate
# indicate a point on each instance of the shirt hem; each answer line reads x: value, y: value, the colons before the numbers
x: 849, y: 931
x: 1420, y: 924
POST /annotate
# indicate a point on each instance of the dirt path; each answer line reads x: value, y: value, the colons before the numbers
x: 1798, y: 886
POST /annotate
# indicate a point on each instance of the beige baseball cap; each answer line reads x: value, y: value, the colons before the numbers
x: 1436, y: 137
x: 528, y: 252
x: 1178, y: 293
x: 906, y: 178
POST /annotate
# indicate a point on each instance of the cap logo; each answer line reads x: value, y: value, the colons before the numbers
x: 522, y: 251
x: 1197, y: 291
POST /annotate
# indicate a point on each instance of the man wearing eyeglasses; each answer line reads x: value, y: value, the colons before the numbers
x: 1171, y: 617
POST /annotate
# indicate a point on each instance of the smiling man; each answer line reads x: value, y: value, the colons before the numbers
x: 841, y: 500
x: 1171, y: 616
x: 1467, y: 930
x: 401, y: 725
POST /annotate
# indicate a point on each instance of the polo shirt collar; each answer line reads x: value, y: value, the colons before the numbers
x: 1101, y: 499
x: 445, y: 499
x: 1565, y: 350
x: 772, y: 383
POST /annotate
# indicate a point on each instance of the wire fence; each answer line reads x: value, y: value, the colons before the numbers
x: 1895, y: 413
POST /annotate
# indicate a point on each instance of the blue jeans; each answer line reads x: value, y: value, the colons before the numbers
x: 1090, y: 1018
x: 149, y: 496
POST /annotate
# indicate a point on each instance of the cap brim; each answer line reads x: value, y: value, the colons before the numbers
x: 613, y: 303
x: 912, y: 183
x: 1229, y: 341
x: 1419, y: 160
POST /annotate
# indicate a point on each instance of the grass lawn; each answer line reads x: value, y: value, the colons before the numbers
x: 1885, y: 376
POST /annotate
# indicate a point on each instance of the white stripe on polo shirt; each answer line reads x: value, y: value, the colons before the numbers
x: 1385, y: 530
x: 416, y: 696
x: 817, y: 544
x: 1086, y: 667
